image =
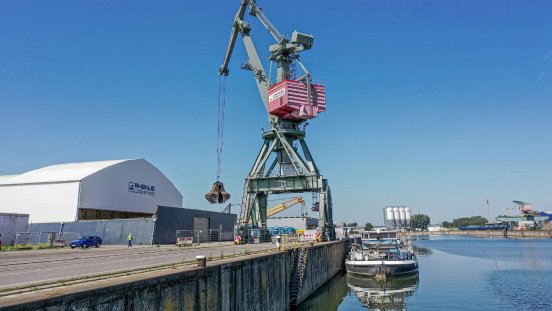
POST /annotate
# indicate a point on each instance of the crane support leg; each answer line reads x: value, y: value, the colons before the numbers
x: 279, y: 168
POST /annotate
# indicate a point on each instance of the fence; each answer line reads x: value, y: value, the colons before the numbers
x: 51, y: 238
x: 308, y: 235
x: 289, y: 241
x: 187, y: 237
x: 184, y: 237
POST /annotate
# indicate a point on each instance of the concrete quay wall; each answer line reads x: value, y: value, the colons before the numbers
x: 260, y: 282
x: 487, y: 233
x: 322, y: 264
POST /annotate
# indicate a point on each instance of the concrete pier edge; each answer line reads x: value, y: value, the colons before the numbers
x: 254, y: 282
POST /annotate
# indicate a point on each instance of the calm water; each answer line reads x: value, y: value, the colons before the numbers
x: 456, y: 273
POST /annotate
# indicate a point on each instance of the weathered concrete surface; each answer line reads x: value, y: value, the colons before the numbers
x: 488, y: 233
x: 23, y: 268
x: 259, y: 282
x: 323, y: 262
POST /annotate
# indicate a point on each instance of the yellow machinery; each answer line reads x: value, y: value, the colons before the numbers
x: 273, y: 211
x: 284, y: 206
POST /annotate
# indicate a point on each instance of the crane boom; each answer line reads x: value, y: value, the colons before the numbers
x: 254, y: 63
x: 284, y: 206
x: 223, y: 70
x: 255, y: 11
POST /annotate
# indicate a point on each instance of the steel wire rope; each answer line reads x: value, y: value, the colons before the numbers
x: 220, y: 129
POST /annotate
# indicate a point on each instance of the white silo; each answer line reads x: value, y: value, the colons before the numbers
x: 402, y: 216
x: 389, y: 217
x: 397, y: 216
x: 407, y: 216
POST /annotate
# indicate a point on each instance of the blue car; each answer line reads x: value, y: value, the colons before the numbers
x: 87, y: 241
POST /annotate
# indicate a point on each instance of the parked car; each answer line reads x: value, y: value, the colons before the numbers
x: 87, y: 241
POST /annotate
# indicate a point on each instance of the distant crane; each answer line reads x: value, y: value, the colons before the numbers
x: 280, y: 167
x: 524, y: 207
x: 284, y: 206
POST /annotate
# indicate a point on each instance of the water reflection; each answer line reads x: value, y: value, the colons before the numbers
x: 389, y: 294
x: 421, y: 251
x: 329, y: 296
x: 487, y: 274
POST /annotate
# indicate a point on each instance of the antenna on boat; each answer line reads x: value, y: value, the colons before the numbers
x: 489, y: 210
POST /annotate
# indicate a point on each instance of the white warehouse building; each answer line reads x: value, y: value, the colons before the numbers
x: 88, y: 191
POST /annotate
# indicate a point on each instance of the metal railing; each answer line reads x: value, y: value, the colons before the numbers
x: 289, y: 241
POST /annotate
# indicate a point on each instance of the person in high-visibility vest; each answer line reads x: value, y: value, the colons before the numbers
x: 130, y: 238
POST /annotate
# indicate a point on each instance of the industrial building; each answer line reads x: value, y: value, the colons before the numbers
x: 109, y: 199
x: 88, y: 191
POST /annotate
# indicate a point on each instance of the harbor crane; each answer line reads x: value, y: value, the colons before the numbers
x: 284, y: 163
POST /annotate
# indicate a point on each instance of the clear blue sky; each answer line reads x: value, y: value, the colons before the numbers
x: 437, y: 105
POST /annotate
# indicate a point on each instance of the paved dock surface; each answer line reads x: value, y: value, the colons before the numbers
x: 21, y: 268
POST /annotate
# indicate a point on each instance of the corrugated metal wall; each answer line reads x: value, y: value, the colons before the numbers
x: 170, y: 219
x: 146, y: 231
x: 112, y: 232
x: 10, y: 224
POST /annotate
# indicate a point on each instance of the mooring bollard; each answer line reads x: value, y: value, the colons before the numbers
x: 279, y: 242
x: 201, y: 261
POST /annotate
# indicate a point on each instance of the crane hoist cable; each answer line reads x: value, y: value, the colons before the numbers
x: 218, y: 194
x: 220, y: 130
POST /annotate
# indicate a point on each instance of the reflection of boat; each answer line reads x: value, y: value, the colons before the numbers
x: 421, y: 250
x: 388, y: 294
x: 380, y: 253
x: 327, y: 297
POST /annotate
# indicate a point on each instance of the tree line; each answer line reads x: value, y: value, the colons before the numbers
x: 465, y: 221
x: 422, y: 222
x: 417, y: 221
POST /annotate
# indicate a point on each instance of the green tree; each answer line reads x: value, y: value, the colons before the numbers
x: 353, y: 224
x: 469, y: 221
x: 446, y: 224
x: 368, y: 226
x: 419, y: 221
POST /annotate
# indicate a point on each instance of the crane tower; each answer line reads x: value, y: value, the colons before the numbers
x: 284, y: 163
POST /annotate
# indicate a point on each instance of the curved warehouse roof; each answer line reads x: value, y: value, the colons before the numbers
x: 59, y: 173
x: 6, y: 177
x: 56, y: 193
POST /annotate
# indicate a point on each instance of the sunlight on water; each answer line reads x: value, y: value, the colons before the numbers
x: 456, y: 273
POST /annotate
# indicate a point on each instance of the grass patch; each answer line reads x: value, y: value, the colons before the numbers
x: 26, y: 247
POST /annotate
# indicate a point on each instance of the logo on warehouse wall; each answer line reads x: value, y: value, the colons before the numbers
x: 135, y: 187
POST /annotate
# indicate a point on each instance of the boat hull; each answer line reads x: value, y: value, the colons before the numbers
x: 378, y: 267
